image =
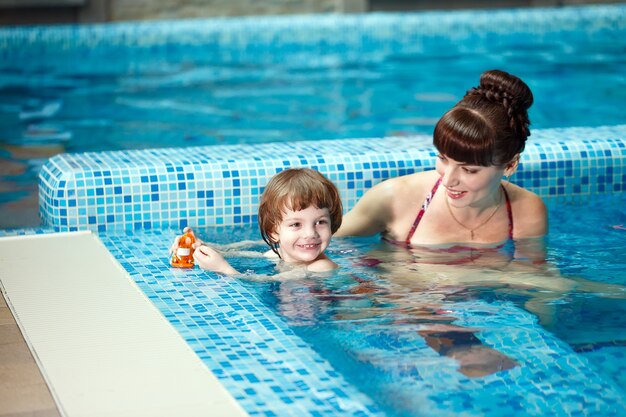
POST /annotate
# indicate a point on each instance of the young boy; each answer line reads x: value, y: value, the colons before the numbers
x: 300, y: 210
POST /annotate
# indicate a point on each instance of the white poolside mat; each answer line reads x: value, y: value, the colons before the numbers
x: 102, y: 346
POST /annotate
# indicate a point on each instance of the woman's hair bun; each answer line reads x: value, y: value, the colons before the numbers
x: 511, y: 92
x: 507, y: 86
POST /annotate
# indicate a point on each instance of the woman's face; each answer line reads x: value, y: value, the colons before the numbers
x: 469, y: 185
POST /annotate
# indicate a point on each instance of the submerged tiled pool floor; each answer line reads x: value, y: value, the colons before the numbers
x: 269, y: 369
x: 266, y: 367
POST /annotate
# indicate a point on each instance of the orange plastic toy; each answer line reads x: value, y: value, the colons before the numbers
x: 183, y: 257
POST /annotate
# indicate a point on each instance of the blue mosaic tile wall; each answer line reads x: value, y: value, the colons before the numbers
x: 221, y: 185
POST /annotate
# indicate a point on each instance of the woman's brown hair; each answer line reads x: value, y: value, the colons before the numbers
x: 297, y: 189
x: 489, y: 126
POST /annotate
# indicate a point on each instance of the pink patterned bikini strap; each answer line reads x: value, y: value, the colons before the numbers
x: 425, y: 205
x: 509, y: 211
x: 429, y: 198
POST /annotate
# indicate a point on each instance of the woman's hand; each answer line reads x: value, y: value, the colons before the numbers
x: 211, y: 260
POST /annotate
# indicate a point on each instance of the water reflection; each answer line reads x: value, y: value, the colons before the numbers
x: 419, y: 296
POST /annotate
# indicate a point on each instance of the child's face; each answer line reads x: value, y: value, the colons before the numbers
x: 303, y: 235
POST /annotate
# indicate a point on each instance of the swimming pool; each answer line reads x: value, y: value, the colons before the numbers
x: 258, y: 80
x: 259, y: 338
x: 357, y: 342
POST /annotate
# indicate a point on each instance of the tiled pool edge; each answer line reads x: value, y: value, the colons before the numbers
x: 221, y: 185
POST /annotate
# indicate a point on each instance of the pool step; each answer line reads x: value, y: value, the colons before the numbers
x: 221, y: 185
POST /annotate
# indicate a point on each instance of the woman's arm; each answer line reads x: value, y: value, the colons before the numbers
x: 371, y: 214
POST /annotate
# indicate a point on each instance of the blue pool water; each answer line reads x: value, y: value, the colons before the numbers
x: 201, y: 96
x: 363, y: 333
x: 402, y: 337
x: 144, y: 87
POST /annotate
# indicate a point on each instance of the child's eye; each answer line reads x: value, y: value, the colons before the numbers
x: 322, y: 221
x: 296, y: 224
x: 441, y: 157
x: 470, y: 170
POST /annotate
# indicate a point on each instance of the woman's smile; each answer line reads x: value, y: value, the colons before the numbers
x: 455, y: 195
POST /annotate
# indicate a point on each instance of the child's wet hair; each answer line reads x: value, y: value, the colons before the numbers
x: 297, y: 189
x: 489, y: 126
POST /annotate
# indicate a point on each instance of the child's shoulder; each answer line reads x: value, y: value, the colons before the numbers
x: 322, y: 265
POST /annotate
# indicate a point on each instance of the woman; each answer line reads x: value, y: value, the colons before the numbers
x: 465, y: 199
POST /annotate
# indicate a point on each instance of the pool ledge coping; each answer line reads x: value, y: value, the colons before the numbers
x: 96, y: 337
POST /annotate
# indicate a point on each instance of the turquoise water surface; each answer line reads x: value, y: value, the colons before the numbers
x: 177, y: 92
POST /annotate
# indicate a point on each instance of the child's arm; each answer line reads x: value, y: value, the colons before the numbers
x: 243, y: 245
x: 211, y: 260
x: 232, y: 249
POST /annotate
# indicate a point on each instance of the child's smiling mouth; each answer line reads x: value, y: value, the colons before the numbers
x: 309, y: 246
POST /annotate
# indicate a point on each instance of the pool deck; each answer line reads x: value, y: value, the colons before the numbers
x: 23, y: 390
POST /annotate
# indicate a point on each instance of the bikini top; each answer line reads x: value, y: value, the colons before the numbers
x: 429, y: 198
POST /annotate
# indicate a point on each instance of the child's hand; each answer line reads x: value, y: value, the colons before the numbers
x: 211, y: 260
x: 176, y: 243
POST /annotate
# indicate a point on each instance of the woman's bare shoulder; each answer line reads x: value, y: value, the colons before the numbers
x: 529, y: 212
x: 413, y: 182
x: 523, y: 197
x: 395, y: 187
x: 378, y: 207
